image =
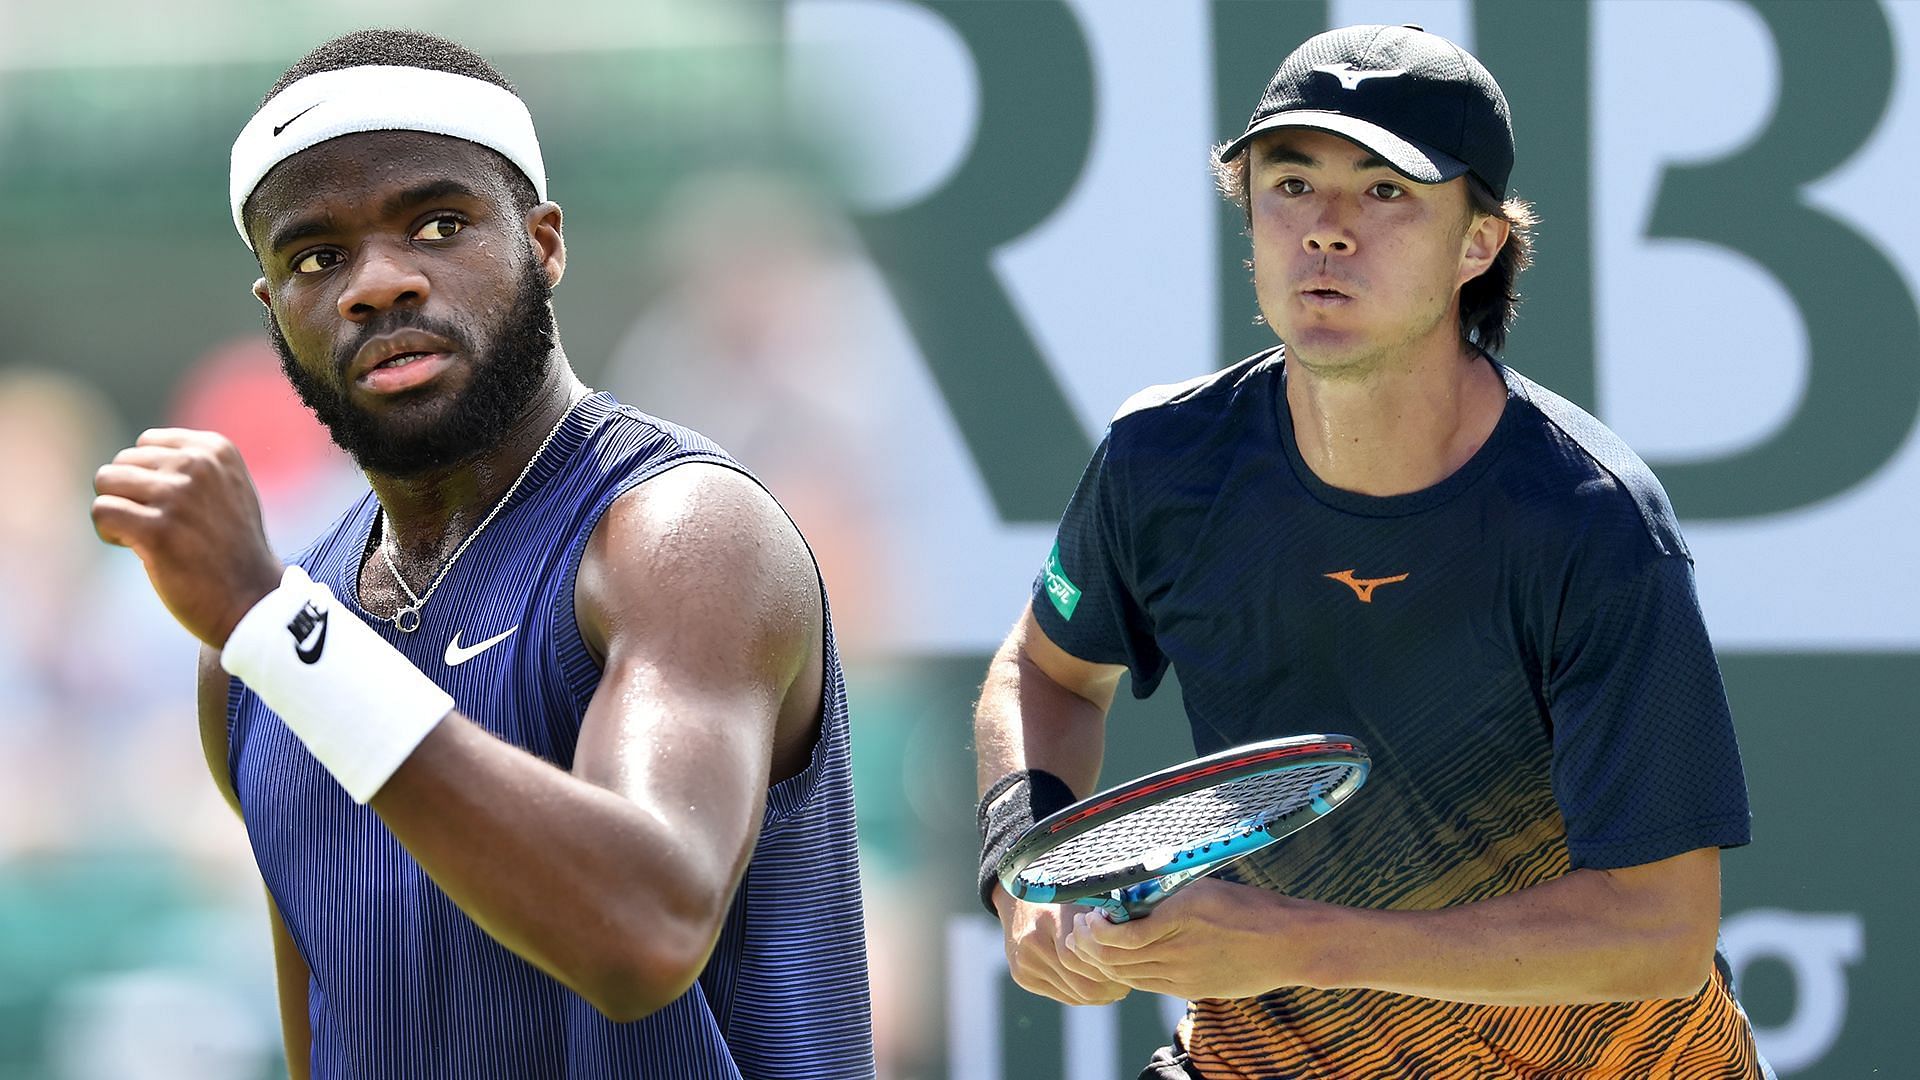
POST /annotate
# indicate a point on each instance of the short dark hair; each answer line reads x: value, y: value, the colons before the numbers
x: 410, y: 48
x: 1487, y: 303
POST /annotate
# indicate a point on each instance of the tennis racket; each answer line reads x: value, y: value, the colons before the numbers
x: 1127, y: 848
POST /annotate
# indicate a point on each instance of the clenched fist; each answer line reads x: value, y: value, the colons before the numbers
x: 182, y: 500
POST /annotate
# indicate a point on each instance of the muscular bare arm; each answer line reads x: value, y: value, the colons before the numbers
x: 291, y: 977
x: 290, y: 968
x: 615, y: 878
x: 1592, y: 935
x: 1043, y: 708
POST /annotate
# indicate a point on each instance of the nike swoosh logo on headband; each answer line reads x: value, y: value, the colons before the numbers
x: 457, y: 655
x: 296, y: 116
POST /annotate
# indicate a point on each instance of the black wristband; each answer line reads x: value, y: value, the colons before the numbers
x: 1008, y: 809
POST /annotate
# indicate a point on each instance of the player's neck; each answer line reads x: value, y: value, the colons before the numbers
x: 429, y: 514
x: 1402, y: 425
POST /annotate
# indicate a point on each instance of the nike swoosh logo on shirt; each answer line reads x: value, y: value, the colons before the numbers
x: 457, y: 655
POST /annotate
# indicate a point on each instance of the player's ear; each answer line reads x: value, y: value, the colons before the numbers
x: 1486, y: 235
x: 549, y: 244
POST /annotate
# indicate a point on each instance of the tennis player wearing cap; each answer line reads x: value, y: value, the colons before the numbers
x: 542, y: 748
x: 1377, y: 527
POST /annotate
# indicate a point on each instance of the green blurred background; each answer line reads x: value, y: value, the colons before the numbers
x: 904, y: 258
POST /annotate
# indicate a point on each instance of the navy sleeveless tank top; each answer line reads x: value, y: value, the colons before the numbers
x: 404, y: 983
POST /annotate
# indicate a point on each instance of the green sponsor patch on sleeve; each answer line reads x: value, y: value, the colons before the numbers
x: 1064, y: 593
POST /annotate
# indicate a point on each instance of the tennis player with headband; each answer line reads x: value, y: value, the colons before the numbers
x: 1379, y: 528
x: 542, y: 749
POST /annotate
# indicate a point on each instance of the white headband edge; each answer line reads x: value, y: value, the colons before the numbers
x: 347, y: 101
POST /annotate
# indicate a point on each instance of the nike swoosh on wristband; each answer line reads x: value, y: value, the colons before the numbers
x: 309, y: 630
x: 457, y: 655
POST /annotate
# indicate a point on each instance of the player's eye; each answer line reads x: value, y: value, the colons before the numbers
x: 439, y: 228
x: 312, y: 262
x: 1387, y: 189
x: 1293, y: 185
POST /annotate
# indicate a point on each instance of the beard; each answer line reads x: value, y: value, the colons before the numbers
x: 509, y: 367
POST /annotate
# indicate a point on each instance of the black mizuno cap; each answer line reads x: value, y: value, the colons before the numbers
x: 1414, y: 98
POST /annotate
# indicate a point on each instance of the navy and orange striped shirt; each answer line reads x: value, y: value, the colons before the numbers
x: 1519, y: 647
x: 404, y: 984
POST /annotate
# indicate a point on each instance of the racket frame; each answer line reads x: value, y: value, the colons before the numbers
x: 1132, y: 889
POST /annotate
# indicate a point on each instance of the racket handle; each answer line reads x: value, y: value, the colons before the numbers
x: 1130, y: 903
x: 1109, y: 905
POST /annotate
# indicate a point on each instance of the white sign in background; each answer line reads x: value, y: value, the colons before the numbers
x: 1701, y: 353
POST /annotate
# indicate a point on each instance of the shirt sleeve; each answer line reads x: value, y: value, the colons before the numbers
x: 1083, y: 597
x: 1645, y: 765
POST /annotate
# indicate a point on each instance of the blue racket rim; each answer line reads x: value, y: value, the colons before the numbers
x: 1187, y: 863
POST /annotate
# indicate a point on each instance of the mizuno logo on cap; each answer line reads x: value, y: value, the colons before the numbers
x: 1351, y: 77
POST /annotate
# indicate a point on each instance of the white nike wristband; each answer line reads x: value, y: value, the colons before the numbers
x: 359, y: 705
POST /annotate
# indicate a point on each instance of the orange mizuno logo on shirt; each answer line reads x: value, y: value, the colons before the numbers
x: 1363, y: 587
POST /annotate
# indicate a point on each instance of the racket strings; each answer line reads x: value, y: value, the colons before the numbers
x: 1193, y: 820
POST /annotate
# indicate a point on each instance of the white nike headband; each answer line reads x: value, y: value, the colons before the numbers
x: 380, y: 97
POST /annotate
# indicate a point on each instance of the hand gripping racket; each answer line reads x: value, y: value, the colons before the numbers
x: 1130, y: 847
